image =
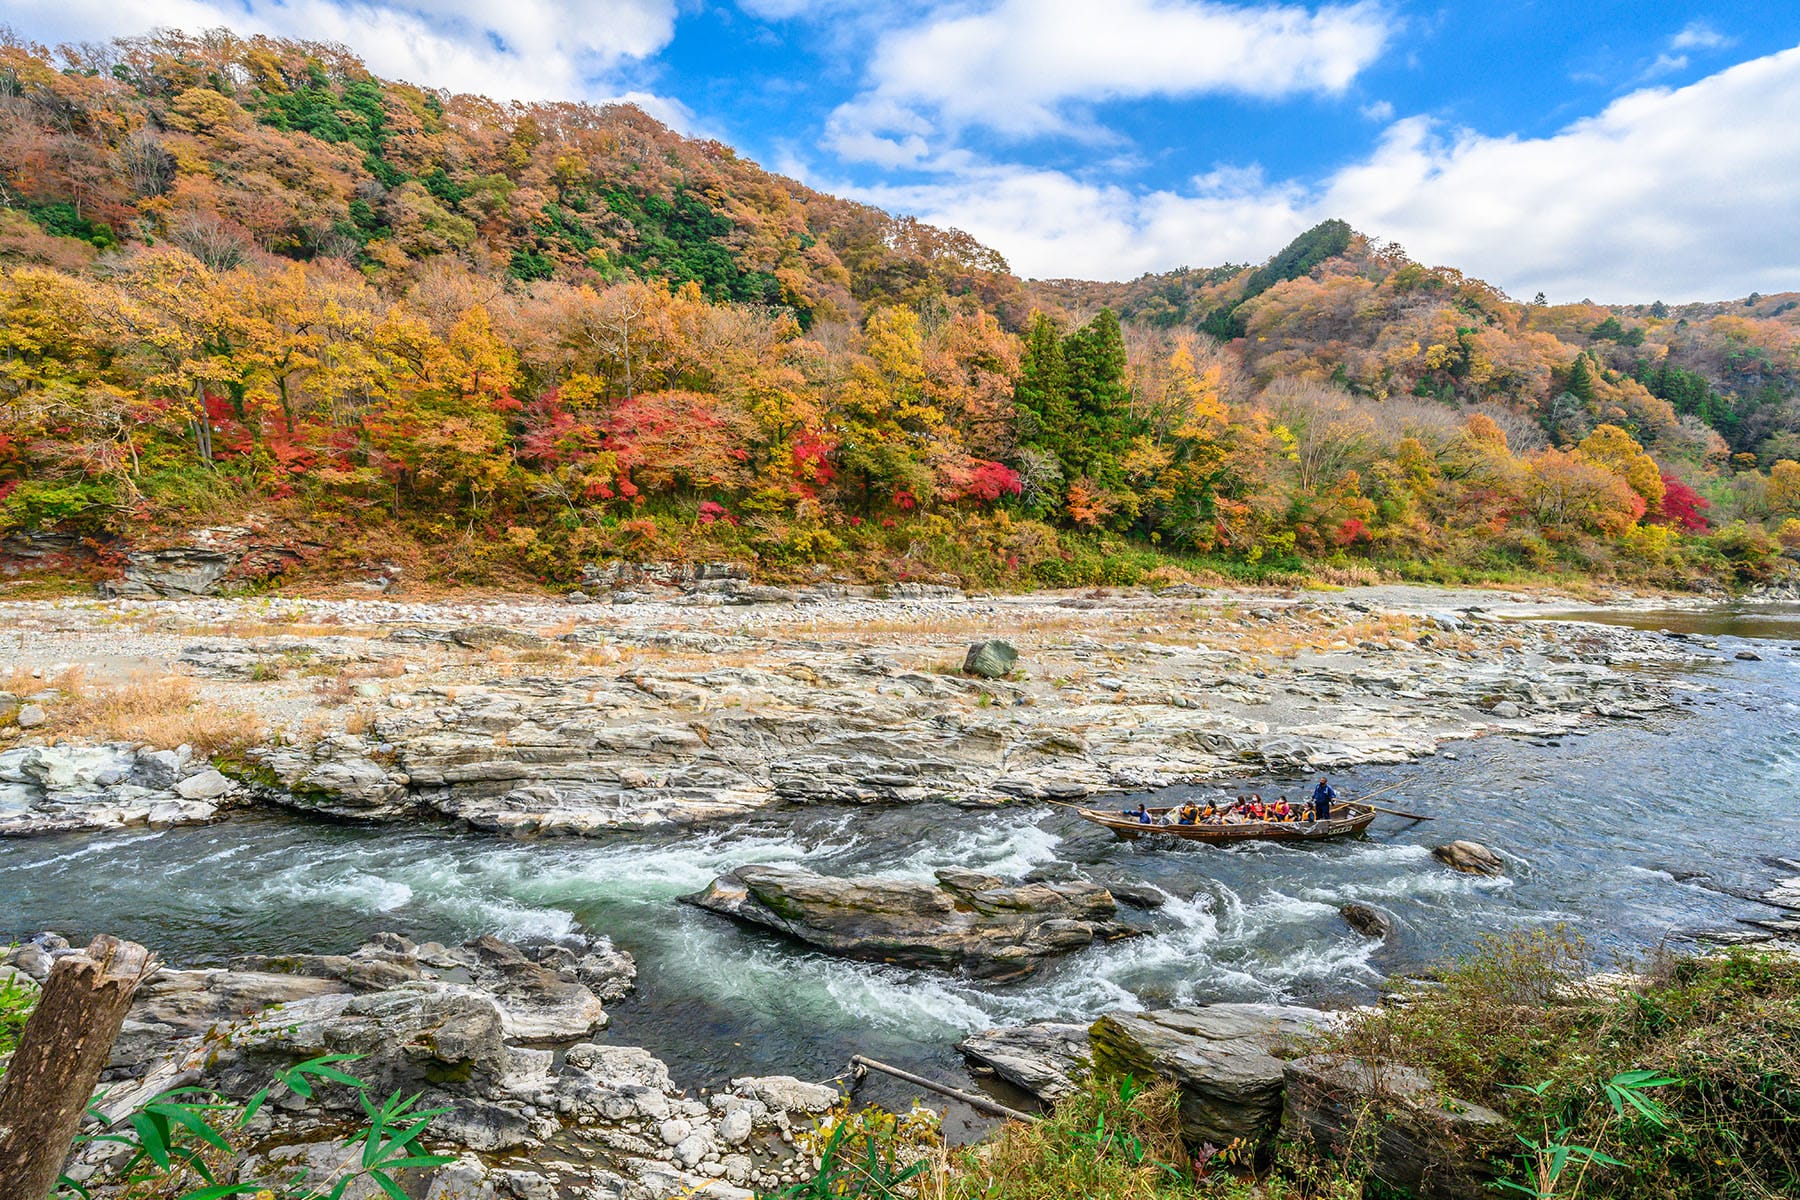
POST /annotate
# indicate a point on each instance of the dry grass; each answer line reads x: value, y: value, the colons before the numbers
x: 544, y: 656
x: 164, y: 711
x: 20, y: 682
x: 334, y: 691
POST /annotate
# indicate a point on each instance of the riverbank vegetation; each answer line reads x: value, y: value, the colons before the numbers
x: 1682, y: 1080
x: 242, y: 281
x: 1685, y: 1074
x: 18, y: 996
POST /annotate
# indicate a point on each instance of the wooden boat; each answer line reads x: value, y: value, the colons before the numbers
x: 1346, y: 820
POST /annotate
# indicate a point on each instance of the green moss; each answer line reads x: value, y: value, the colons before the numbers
x: 443, y: 1073
x: 247, y: 772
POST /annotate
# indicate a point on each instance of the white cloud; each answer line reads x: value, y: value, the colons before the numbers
x: 1698, y: 35
x: 516, y: 49
x: 1018, y: 66
x: 1673, y: 194
x: 1380, y: 110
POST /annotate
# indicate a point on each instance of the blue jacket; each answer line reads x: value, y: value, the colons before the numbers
x: 1324, y: 793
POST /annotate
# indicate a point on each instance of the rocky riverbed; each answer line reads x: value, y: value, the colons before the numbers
x: 525, y: 717
x: 497, y: 1036
x: 678, y: 720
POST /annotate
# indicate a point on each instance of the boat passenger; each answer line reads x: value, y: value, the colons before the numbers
x: 1258, y: 811
x: 1190, y: 813
x: 1306, y: 812
x: 1142, y: 814
x: 1322, y: 796
x: 1280, y: 811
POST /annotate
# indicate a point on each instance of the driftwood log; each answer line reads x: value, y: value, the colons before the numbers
x: 53, y: 1073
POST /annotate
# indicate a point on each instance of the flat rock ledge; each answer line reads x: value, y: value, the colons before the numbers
x: 662, y: 715
x: 967, y: 922
x: 498, y: 1034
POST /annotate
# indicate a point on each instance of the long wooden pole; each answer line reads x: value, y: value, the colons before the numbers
x: 1394, y: 812
x: 61, y: 1053
x: 968, y: 1098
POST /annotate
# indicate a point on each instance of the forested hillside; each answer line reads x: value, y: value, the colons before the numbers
x: 243, y: 281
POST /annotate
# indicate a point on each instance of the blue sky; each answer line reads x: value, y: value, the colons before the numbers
x: 1619, y: 151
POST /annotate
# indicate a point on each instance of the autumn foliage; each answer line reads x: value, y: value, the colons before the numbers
x: 245, y: 276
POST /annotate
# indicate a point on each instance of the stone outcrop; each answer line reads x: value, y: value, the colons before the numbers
x: 1043, y: 1059
x: 1471, y: 858
x: 176, y: 571
x: 1424, y: 1144
x: 1247, y: 1074
x: 213, y: 558
x: 68, y: 789
x: 1226, y: 1059
x: 966, y: 922
x: 337, y: 776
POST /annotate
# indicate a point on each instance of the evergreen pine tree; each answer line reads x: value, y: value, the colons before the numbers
x: 1041, y: 394
x: 1581, y: 380
x: 1099, y: 400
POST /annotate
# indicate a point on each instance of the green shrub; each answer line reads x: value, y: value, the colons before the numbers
x: 18, y: 996
x: 1521, y: 1027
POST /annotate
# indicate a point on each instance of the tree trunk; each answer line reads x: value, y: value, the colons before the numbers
x: 53, y: 1073
x: 202, y: 426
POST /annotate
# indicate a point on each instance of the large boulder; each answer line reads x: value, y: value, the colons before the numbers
x: 1424, y: 1144
x: 1370, y: 922
x: 537, y: 1002
x: 434, y: 1037
x: 1471, y: 858
x: 965, y: 922
x: 991, y: 659
x: 1042, y: 1059
x: 1226, y: 1059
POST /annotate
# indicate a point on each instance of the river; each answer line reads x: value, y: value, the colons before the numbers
x: 1632, y: 834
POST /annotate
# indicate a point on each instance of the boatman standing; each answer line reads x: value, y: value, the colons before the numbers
x: 1323, y: 795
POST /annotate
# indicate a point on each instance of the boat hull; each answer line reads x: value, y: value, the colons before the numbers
x: 1354, y: 821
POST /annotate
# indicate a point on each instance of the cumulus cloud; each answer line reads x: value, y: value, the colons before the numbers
x: 1672, y: 194
x: 1698, y: 35
x: 1020, y: 67
x: 516, y: 50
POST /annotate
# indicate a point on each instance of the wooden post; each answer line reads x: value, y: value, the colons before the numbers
x: 980, y: 1103
x: 61, y: 1053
